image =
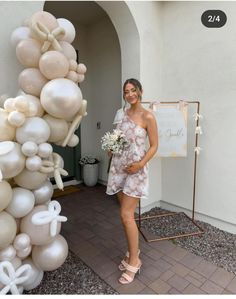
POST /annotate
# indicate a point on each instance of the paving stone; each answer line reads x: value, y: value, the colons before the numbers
x: 173, y: 291
x: 147, y: 291
x: 163, y: 246
x: 169, y: 260
x: 160, y: 287
x: 198, y: 276
x: 232, y: 286
x: 162, y: 265
x: 178, y: 253
x: 191, y: 289
x: 211, y: 288
x: 178, y: 282
x: 133, y: 288
x: 154, y: 254
x: 180, y: 270
x: 205, y: 268
x: 222, y: 277
x: 190, y: 260
x: 151, y: 273
x: 166, y: 275
x: 194, y: 281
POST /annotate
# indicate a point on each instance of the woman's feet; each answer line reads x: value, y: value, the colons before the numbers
x: 123, y: 264
x: 128, y: 276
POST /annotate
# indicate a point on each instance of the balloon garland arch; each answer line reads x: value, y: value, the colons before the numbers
x: 49, y: 109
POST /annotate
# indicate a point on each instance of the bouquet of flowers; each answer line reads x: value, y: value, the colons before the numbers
x: 114, y: 141
x: 88, y: 160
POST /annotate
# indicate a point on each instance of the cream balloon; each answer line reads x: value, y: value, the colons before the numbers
x: 29, y: 105
x: 7, y: 132
x: 51, y: 256
x: 53, y: 64
x: 61, y: 98
x: 29, y: 148
x: 74, y: 140
x: 21, y: 241
x: 80, y: 78
x: 45, y: 150
x: 58, y: 128
x: 5, y: 194
x: 30, y: 179
x: 81, y: 68
x: 35, y: 275
x: 28, y: 52
x: 69, y: 30
x: 16, y: 262
x: 8, y: 229
x: 8, y: 253
x: 12, y: 161
x: 39, y: 234
x: 22, y: 202
x: 21, y: 104
x: 34, y: 129
x: 73, y: 76
x: 33, y: 163
x: 32, y: 81
x: 73, y: 65
x: 16, y: 118
x: 68, y: 50
x: 44, y: 18
x: 9, y: 104
x: 23, y: 253
x: 43, y: 193
x: 19, y: 34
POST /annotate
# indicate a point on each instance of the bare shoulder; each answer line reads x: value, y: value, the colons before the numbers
x: 148, y: 116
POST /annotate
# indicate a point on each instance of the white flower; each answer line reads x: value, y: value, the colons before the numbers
x: 114, y: 141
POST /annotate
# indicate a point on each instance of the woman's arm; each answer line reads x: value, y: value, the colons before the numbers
x: 153, y: 141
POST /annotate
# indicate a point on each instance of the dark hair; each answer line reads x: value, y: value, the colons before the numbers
x: 137, y: 86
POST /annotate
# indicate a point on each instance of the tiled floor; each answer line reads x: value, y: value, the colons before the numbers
x: 94, y: 232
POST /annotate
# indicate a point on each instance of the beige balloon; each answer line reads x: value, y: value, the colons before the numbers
x: 31, y: 81
x: 35, y: 276
x: 44, y: 18
x: 19, y: 34
x: 7, y: 132
x: 51, y: 256
x: 44, y: 193
x: 12, y: 161
x: 30, y: 179
x: 53, y: 64
x: 68, y: 50
x: 28, y: 52
x: 32, y: 100
x: 8, y: 229
x: 39, y: 234
x: 5, y: 195
x: 58, y: 128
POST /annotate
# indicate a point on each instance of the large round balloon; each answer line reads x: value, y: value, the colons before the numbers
x: 53, y: 64
x: 7, y: 132
x: 22, y: 202
x: 69, y: 30
x: 43, y: 193
x: 34, y: 129
x: 28, y: 52
x: 8, y: 253
x: 30, y: 179
x: 8, y: 229
x: 68, y: 50
x: 51, y: 256
x: 5, y: 195
x: 19, y: 34
x: 12, y: 161
x: 31, y: 81
x: 61, y: 98
x: 35, y: 275
x: 58, y: 128
x: 39, y: 234
x: 34, y: 105
x: 44, y: 18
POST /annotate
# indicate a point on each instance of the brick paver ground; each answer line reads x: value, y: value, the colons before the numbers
x: 94, y: 232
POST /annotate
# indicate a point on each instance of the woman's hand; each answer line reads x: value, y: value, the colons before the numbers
x: 109, y: 153
x: 133, y: 167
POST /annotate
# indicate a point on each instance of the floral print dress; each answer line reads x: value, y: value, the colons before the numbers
x: 135, y: 185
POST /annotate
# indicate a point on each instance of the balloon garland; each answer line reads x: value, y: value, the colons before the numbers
x: 48, y: 109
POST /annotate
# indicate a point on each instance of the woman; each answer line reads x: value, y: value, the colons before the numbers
x: 128, y: 176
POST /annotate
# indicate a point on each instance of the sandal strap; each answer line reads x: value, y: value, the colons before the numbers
x: 132, y: 268
x: 127, y: 277
x: 123, y: 262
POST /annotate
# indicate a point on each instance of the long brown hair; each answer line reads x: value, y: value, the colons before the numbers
x: 137, y: 86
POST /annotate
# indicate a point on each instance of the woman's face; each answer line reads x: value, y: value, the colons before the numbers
x: 131, y: 94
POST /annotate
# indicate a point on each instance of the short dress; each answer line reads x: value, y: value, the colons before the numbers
x: 135, y: 185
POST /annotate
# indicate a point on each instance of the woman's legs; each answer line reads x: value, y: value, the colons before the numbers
x: 127, y: 209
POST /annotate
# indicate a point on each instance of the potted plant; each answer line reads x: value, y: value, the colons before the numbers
x: 90, y: 170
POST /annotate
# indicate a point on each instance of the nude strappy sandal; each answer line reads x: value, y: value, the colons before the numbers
x: 125, y: 278
x: 123, y: 264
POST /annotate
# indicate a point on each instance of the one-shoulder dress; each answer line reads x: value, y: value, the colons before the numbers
x: 135, y: 185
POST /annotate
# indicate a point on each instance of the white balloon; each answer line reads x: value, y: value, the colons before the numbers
x: 80, y: 78
x: 22, y: 241
x: 43, y: 193
x: 58, y: 128
x: 5, y: 194
x: 8, y: 229
x: 33, y: 163
x: 61, y: 98
x: 12, y: 161
x: 9, y: 104
x: 29, y: 148
x: 30, y: 179
x: 8, y: 253
x: 68, y: 50
x: 81, y: 68
x: 22, y: 202
x: 23, y: 253
x: 69, y: 30
x: 16, y: 118
x: 19, y: 34
x: 45, y: 150
x: 35, y: 275
x: 34, y: 129
x: 74, y: 140
x: 7, y: 131
x: 35, y: 107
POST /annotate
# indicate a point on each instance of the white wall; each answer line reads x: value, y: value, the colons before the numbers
x: 13, y: 13
x: 200, y: 63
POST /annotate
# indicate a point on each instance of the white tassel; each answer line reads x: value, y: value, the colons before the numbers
x: 198, y: 130
x: 198, y: 149
x: 197, y: 116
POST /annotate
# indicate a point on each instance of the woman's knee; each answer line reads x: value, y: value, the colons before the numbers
x: 126, y: 217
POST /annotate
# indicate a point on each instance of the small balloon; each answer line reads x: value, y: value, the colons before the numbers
x: 69, y: 30
x: 21, y: 241
x: 23, y: 253
x: 33, y: 163
x: 74, y: 140
x: 29, y: 148
x: 7, y: 131
x: 8, y: 229
x: 28, y: 52
x: 19, y: 34
x: 43, y: 193
x: 16, y: 118
x: 68, y: 50
x: 8, y: 253
x: 45, y: 150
